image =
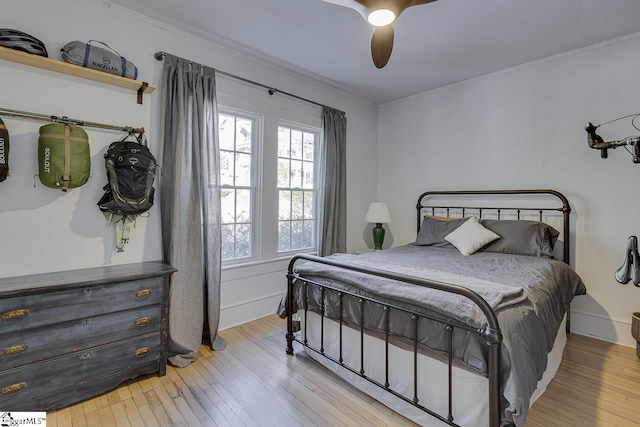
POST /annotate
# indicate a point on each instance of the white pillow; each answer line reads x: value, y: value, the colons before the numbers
x: 470, y: 236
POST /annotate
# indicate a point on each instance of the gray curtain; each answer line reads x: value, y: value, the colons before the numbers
x: 333, y: 183
x: 190, y: 206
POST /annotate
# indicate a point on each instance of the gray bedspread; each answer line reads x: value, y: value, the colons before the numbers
x: 530, y: 296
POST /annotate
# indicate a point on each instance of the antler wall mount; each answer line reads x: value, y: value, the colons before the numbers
x: 381, y: 14
x: 596, y: 142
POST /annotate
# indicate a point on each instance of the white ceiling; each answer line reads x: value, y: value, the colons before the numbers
x: 435, y: 44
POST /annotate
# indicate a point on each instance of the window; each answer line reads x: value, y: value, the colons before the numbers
x: 296, y: 191
x: 237, y: 178
x: 268, y: 162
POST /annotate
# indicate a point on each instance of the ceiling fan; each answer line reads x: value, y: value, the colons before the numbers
x: 381, y: 14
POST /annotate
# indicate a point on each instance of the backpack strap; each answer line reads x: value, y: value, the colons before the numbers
x: 123, y: 228
x: 66, y: 178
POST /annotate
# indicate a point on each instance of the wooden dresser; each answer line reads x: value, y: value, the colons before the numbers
x: 69, y: 336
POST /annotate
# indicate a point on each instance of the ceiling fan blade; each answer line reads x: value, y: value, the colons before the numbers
x: 382, y: 45
x: 399, y: 4
x: 352, y: 4
x: 418, y: 2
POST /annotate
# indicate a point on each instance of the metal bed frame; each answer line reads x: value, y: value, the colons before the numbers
x: 491, y: 334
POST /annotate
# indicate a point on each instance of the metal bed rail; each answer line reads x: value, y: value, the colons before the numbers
x: 491, y: 333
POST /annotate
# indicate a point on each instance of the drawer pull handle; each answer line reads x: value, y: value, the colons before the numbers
x: 142, y: 352
x: 145, y: 293
x: 15, y: 350
x: 12, y: 389
x: 16, y: 314
x: 143, y: 321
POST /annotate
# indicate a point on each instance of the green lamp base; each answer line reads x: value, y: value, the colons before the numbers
x: 378, y: 236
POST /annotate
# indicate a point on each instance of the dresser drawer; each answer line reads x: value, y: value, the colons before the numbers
x: 21, y: 387
x: 24, y: 312
x: 22, y: 347
x: 80, y: 392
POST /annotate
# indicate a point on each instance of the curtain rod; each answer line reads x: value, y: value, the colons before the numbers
x: 272, y: 90
x: 67, y: 120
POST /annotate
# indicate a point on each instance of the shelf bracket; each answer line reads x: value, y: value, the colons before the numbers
x: 141, y: 90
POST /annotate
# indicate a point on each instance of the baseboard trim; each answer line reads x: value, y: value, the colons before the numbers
x: 247, y: 311
x: 602, y: 328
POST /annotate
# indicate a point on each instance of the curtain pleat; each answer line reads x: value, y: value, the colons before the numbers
x: 332, y: 234
x: 190, y: 206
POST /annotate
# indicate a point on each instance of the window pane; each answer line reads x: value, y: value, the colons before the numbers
x: 296, y: 205
x: 283, y: 173
x: 226, y: 126
x: 308, y: 205
x: 307, y: 234
x: 226, y: 168
x: 243, y: 241
x: 284, y: 205
x: 284, y: 141
x: 243, y: 206
x: 243, y: 135
x: 307, y: 175
x: 284, y: 232
x: 228, y: 238
x: 296, y: 174
x: 296, y: 235
x: 243, y: 170
x: 296, y: 144
x: 227, y: 205
x: 309, y: 145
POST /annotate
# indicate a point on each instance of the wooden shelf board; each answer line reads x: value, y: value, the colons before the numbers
x: 71, y: 69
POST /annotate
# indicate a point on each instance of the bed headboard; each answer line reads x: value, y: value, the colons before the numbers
x: 428, y: 205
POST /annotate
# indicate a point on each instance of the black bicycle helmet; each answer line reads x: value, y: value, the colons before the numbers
x: 18, y: 40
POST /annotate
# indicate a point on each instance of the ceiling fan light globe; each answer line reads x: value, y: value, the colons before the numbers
x: 381, y: 17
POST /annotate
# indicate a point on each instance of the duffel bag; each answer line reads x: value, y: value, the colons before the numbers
x: 4, y: 151
x: 91, y: 56
x: 64, y: 159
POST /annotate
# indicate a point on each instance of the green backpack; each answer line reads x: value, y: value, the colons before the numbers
x: 64, y: 160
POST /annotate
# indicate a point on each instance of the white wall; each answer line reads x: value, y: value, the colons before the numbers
x: 524, y: 128
x: 44, y: 230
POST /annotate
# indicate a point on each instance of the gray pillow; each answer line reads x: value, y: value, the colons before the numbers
x: 521, y: 237
x: 432, y: 231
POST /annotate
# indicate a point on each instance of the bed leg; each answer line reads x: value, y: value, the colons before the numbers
x: 494, y: 340
x: 289, y: 335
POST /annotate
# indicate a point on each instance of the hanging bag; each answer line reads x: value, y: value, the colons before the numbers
x: 91, y: 56
x: 64, y: 158
x: 4, y: 151
x: 131, y: 170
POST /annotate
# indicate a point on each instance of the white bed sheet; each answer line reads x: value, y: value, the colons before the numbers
x: 470, y: 389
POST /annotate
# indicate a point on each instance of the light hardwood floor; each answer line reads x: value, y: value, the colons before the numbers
x: 254, y: 383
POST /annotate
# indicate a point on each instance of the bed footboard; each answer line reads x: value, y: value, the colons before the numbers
x: 491, y: 333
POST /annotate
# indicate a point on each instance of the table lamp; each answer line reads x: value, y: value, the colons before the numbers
x: 378, y: 214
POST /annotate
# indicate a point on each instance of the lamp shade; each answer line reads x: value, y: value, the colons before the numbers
x: 378, y: 213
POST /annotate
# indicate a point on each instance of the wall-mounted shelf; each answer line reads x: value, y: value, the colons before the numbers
x: 76, y: 71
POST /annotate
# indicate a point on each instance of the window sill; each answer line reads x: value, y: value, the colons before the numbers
x: 252, y: 263
x: 277, y: 259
